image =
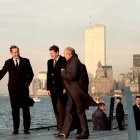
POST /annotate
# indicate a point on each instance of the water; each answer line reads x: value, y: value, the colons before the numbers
x: 42, y: 114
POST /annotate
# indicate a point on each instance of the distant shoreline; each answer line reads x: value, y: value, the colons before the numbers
x: 4, y: 94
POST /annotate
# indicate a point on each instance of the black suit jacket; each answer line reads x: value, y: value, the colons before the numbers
x: 137, y: 116
x: 120, y: 111
x: 19, y: 80
x: 54, y: 80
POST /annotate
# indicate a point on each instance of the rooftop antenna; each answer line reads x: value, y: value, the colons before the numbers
x: 90, y: 20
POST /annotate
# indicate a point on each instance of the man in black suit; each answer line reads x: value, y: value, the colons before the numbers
x: 20, y: 77
x: 136, y: 109
x: 119, y: 113
x: 55, y: 85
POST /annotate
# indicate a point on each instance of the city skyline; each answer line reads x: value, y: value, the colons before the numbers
x: 36, y: 25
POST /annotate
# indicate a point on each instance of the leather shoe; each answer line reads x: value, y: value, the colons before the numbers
x: 61, y: 135
x: 82, y: 137
x: 26, y: 132
x: 79, y: 131
x: 15, y: 133
x: 55, y: 134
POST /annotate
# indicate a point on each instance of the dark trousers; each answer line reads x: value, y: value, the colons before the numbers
x: 16, y: 118
x: 68, y: 118
x: 59, y: 110
x: 72, y: 108
x: 120, y: 125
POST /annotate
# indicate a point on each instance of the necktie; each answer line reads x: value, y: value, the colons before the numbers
x: 16, y: 64
x: 54, y: 62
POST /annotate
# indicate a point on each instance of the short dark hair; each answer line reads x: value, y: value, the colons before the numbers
x: 101, y: 103
x: 138, y: 96
x: 119, y: 98
x: 13, y: 47
x: 54, y: 48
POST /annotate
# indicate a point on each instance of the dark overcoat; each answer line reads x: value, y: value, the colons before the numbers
x: 19, y: 81
x: 100, y: 120
x: 71, y: 76
x: 83, y: 78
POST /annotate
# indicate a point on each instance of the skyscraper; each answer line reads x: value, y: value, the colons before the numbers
x: 104, y: 84
x: 42, y: 76
x: 39, y: 84
x: 94, y: 48
x: 136, y: 60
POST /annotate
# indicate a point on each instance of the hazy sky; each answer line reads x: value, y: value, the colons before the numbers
x: 35, y: 25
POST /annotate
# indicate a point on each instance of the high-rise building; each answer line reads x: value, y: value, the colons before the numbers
x: 104, y: 84
x: 136, y: 60
x: 121, y: 81
x: 94, y: 48
x: 132, y: 79
x: 39, y: 84
x: 108, y: 71
x: 42, y: 76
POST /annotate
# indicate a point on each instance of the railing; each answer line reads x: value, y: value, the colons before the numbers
x: 132, y: 134
x: 115, y: 125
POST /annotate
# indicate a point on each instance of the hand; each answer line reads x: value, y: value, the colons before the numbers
x: 62, y: 69
x: 64, y: 91
x: 48, y: 92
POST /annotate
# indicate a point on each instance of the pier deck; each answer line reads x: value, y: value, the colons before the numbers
x: 44, y: 134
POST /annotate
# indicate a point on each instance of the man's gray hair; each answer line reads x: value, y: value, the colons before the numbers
x: 71, y: 50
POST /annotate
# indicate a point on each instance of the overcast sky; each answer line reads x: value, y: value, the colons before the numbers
x: 35, y: 25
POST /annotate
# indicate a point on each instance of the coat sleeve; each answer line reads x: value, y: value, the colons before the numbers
x: 72, y: 72
x: 3, y: 71
x: 30, y: 73
x: 48, y: 76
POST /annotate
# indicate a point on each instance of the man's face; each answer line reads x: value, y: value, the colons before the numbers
x: 54, y: 54
x: 137, y: 101
x: 15, y: 53
x: 67, y: 55
x: 117, y: 101
x: 102, y: 107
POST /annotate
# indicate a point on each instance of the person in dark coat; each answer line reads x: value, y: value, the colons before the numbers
x: 77, y: 98
x: 84, y: 80
x: 136, y: 109
x: 99, y: 118
x: 83, y: 83
x: 119, y: 113
x: 55, y: 85
x: 20, y: 77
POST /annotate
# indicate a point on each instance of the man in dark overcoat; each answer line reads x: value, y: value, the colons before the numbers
x: 20, y: 77
x: 77, y: 98
x: 55, y: 85
x: 99, y: 118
